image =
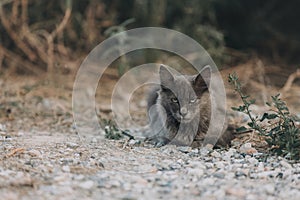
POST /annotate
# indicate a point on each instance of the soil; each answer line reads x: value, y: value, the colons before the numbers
x: 43, y: 155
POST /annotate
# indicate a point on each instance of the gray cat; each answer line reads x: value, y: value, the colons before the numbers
x: 180, y: 108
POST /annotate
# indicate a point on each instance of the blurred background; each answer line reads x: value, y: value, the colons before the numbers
x: 43, y: 43
x: 54, y: 36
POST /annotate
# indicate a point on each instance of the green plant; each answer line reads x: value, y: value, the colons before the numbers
x: 111, y: 130
x: 280, y: 132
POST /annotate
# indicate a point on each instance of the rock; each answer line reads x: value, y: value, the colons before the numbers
x: 197, y: 164
x: 72, y: 145
x: 94, y: 140
x: 237, y: 192
x: 247, y: 149
x: 115, y: 183
x: 252, y: 160
x: 79, y: 177
x: 226, y: 158
x: 87, y: 185
x: 209, y: 165
x: 219, y: 164
x: 205, y: 150
x: 260, y: 167
x: 240, y: 173
x: 215, y: 154
x: 63, y: 177
x: 195, y: 151
x: 230, y: 153
x: 8, y: 195
x: 264, y: 174
x: 286, y: 164
x: 2, y: 128
x: 143, y: 103
x: 269, y: 188
x: 34, y: 153
x: 20, y: 133
x: 66, y: 168
x: 196, y: 172
x: 21, y: 179
x: 220, y: 194
x: 4, y: 137
x: 279, y: 175
x: 219, y: 175
x: 133, y: 142
x: 184, y: 149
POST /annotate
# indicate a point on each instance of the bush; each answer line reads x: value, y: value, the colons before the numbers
x: 281, y: 133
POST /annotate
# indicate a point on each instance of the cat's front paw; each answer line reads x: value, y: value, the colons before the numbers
x: 158, y: 141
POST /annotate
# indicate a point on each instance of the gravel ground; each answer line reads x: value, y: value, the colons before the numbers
x: 41, y: 157
x: 65, y: 166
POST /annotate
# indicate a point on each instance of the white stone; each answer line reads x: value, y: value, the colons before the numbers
x: 66, y: 168
x: 86, y: 184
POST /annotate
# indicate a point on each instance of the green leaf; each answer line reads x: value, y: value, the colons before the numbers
x: 251, y: 124
x: 241, y: 129
x: 245, y: 96
x: 283, y: 137
x: 252, y: 101
x: 240, y: 108
x: 275, y: 129
x: 269, y: 141
x: 235, y: 108
x: 268, y: 116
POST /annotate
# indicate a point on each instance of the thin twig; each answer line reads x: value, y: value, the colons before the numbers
x: 15, y: 13
x: 290, y: 80
x: 18, y: 59
x: 1, y: 58
x: 14, y: 35
x: 24, y: 13
x: 53, y: 34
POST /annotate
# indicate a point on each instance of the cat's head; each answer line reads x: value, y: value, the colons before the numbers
x: 180, y: 94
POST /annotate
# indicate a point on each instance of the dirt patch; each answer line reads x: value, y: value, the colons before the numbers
x: 42, y: 154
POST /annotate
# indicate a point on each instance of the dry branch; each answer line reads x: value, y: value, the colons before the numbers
x: 15, y: 37
x: 53, y: 34
x: 290, y: 80
x: 37, y: 46
x: 24, y: 15
x: 18, y: 59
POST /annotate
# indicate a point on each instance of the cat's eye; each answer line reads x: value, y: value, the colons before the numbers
x: 174, y: 100
x: 193, y: 100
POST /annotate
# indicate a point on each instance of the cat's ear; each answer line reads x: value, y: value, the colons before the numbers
x: 166, y: 77
x: 202, y: 80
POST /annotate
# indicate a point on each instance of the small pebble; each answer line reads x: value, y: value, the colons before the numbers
x: 2, y: 127
x: 66, y: 168
x: 247, y: 149
x: 72, y: 145
x: 86, y: 185
x: 286, y: 164
x: 34, y: 153
x: 215, y: 154
x: 237, y: 192
x: 184, y: 149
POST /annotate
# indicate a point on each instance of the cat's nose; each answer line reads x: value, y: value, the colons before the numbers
x: 183, y: 111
